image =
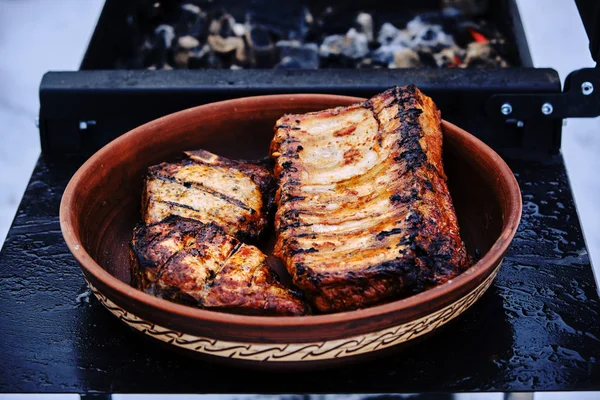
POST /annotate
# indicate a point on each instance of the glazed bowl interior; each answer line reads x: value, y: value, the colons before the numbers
x: 104, y: 196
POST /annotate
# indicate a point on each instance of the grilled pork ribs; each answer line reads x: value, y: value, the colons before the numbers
x: 364, y: 213
x: 234, y: 195
x: 190, y: 262
x: 195, y: 212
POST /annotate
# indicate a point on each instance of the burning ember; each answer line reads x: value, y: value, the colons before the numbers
x: 200, y: 34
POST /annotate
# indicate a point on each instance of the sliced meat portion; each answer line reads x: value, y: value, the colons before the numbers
x: 247, y: 283
x: 364, y: 214
x: 193, y: 263
x: 209, y: 188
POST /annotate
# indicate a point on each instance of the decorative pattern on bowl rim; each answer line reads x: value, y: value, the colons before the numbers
x: 298, y: 352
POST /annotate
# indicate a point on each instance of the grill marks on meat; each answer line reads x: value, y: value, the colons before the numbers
x: 364, y: 212
x: 209, y: 188
x: 190, y: 262
x: 197, y: 260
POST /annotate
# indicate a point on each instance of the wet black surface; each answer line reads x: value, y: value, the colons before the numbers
x: 537, y: 328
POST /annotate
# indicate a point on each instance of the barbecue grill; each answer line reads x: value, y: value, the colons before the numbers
x: 536, y: 328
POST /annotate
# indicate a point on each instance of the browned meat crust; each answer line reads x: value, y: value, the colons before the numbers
x: 364, y: 212
x: 209, y: 188
x: 189, y: 262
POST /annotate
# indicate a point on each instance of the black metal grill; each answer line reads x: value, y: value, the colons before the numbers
x: 80, y: 112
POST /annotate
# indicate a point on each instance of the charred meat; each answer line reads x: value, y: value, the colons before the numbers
x: 193, y: 263
x: 364, y: 213
x: 234, y: 195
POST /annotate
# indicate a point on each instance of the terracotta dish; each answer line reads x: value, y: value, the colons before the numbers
x: 101, y: 205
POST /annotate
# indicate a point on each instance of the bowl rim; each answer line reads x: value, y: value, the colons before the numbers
x: 476, y: 272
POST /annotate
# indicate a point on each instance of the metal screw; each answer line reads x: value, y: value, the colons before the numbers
x: 506, y: 109
x: 587, y: 88
x: 547, y: 109
x: 83, y: 125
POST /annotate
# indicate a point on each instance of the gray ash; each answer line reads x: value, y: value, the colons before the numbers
x: 201, y: 34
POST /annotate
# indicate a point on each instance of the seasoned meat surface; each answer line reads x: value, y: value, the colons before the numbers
x: 364, y: 214
x: 190, y: 262
x: 209, y: 188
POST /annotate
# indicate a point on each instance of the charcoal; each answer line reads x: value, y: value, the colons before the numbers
x: 184, y: 50
x: 275, y: 34
x: 181, y: 59
x: 389, y: 35
x: 258, y: 37
x: 303, y: 28
x: 461, y: 32
x: 427, y: 35
x: 185, y: 45
x: 230, y: 48
x: 190, y: 12
x: 384, y: 55
x: 453, y: 22
x: 396, y: 56
x: 288, y: 63
x: 483, y: 55
x: 307, y: 21
x: 354, y: 45
x: 449, y: 57
x: 332, y: 46
x: 282, y: 19
x: 205, y: 58
x: 405, y: 58
x: 165, y: 34
x: 367, y: 62
x: 239, y: 29
x: 427, y: 58
x: 330, y: 53
x: 192, y: 21
x: 261, y: 50
x: 222, y: 26
x: 188, y: 42
x: 213, y: 61
x: 198, y: 57
x: 295, y: 54
x: 364, y: 22
x: 160, y: 45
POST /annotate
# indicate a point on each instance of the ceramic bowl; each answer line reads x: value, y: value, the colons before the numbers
x: 101, y: 205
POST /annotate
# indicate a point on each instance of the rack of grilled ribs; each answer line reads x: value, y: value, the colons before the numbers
x: 234, y: 195
x: 364, y: 213
x: 194, y: 263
